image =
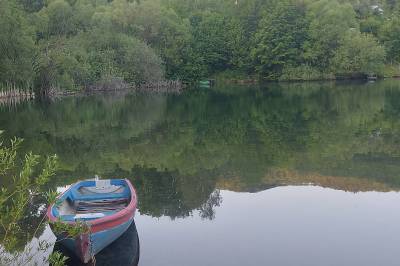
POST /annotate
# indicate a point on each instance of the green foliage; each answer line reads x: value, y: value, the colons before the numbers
x: 59, y: 66
x: 8, y: 155
x: 371, y: 24
x: 280, y: 39
x: 70, y: 231
x: 71, y: 45
x: 211, y: 41
x: 359, y: 54
x: 51, y: 196
x: 15, y: 199
x: 119, y: 55
x: 391, y: 70
x: 60, y: 18
x: 390, y: 36
x: 329, y: 23
x: 17, y: 48
x: 57, y: 259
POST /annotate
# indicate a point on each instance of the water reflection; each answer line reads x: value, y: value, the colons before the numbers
x: 180, y: 151
x: 124, y: 251
x: 288, y: 226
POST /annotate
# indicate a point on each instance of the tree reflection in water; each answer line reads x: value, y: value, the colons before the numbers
x: 180, y: 150
x: 207, y: 210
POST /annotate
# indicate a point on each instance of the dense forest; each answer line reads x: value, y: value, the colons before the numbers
x: 73, y: 44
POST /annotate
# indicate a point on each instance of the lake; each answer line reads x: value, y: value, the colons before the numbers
x: 276, y: 174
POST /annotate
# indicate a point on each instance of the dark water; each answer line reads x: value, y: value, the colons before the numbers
x: 124, y: 251
x: 288, y: 174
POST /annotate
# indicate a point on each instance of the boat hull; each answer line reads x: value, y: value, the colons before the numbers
x: 123, y: 251
x: 88, y: 245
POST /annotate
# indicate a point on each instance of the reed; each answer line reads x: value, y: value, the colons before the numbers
x: 12, y: 91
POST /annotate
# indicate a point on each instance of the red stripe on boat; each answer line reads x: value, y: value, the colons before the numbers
x: 110, y: 221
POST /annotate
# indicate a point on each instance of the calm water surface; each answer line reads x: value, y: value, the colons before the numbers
x: 288, y: 174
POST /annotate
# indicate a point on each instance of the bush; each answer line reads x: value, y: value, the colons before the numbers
x: 17, y: 197
x: 359, y: 53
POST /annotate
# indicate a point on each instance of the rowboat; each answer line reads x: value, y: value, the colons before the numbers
x: 123, y: 251
x: 106, y: 207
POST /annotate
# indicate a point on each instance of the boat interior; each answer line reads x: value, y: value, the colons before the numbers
x: 92, y: 199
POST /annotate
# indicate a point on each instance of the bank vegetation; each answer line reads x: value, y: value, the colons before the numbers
x: 71, y: 45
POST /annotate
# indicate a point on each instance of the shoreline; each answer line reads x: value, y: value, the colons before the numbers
x: 16, y: 95
x: 250, y: 81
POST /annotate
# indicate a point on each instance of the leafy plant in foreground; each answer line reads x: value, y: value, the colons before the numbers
x: 15, y: 200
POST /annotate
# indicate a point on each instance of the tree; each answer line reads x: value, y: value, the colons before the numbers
x: 329, y: 23
x: 280, y: 39
x: 17, y: 48
x: 60, y: 16
x: 63, y: 64
x: 121, y: 55
x: 358, y: 53
x: 80, y: 42
x: 211, y: 41
x: 32, y: 5
x: 371, y: 24
x: 166, y: 32
x: 390, y: 36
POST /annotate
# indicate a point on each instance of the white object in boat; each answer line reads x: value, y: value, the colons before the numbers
x: 102, y: 186
x: 89, y: 215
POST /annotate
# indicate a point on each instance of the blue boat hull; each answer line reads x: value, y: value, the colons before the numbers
x: 124, y: 251
x: 97, y: 241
